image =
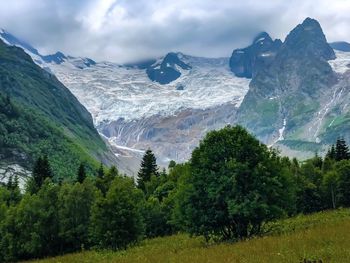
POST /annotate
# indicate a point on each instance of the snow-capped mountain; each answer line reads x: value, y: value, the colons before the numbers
x: 166, y: 104
x: 295, y: 94
x: 127, y: 106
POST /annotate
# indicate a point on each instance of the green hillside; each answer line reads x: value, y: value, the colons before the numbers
x: 41, y: 116
x: 322, y: 236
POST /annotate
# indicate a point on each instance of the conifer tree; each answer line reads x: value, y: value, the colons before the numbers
x: 331, y: 153
x: 42, y: 170
x: 148, y: 168
x: 81, y: 173
x: 101, y: 172
x: 341, y: 150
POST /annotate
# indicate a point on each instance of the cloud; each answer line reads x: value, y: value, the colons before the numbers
x: 124, y: 30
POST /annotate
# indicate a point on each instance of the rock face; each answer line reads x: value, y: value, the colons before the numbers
x: 292, y: 99
x: 247, y: 61
x: 167, y: 70
x: 341, y: 46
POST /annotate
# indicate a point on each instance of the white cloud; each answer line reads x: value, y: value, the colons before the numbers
x: 123, y: 30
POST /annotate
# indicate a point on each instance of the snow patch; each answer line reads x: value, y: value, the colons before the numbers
x: 110, y: 91
x: 342, y: 62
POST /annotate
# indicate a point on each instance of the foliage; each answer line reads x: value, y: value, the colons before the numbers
x: 26, y: 135
x: 116, y: 219
x: 148, y: 168
x: 236, y: 185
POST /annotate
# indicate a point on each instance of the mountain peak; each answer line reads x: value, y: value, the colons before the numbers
x: 262, y: 36
x: 247, y: 61
x: 168, y: 68
x: 308, y: 38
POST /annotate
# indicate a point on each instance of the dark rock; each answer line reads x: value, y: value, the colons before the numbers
x: 341, y: 46
x: 247, y: 61
x: 167, y: 70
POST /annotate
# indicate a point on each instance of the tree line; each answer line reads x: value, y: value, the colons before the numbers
x: 228, y: 190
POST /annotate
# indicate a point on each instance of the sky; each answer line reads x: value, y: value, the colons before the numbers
x: 131, y: 30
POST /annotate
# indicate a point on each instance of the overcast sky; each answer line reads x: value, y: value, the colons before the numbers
x: 128, y: 30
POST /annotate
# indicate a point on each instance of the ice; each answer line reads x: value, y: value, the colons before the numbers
x: 342, y: 63
x: 110, y: 91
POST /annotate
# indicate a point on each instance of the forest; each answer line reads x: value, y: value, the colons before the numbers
x: 232, y: 186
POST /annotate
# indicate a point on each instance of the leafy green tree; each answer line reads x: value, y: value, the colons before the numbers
x: 31, y: 228
x: 75, y: 202
x: 236, y: 185
x: 172, y: 164
x: 343, y: 170
x: 148, y: 168
x: 81, y: 173
x: 116, y: 219
x: 309, y: 181
x: 155, y: 218
x: 330, y: 189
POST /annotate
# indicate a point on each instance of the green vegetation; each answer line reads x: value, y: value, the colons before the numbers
x: 26, y: 135
x: 39, y: 116
x: 233, y: 189
x: 302, y: 145
x: 314, y: 237
x: 237, y: 183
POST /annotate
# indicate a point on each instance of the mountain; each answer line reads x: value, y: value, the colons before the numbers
x: 39, y: 115
x: 40, y: 59
x: 168, y: 69
x: 293, y: 95
x: 296, y: 100
x: 136, y: 113
x: 247, y: 61
x: 341, y: 46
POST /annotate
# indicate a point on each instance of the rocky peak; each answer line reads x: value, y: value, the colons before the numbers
x: 308, y: 39
x: 341, y: 46
x: 168, y: 69
x: 57, y: 58
x: 246, y: 62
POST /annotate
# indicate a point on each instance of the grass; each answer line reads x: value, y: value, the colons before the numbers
x: 324, y: 236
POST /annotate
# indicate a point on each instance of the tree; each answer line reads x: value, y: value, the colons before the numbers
x: 31, y: 228
x: 116, y: 219
x: 14, y: 191
x: 75, y: 202
x: 41, y: 171
x: 100, y: 171
x: 148, y: 168
x: 236, y: 184
x: 331, y: 153
x: 330, y: 189
x: 172, y: 164
x: 341, y: 150
x: 343, y: 170
x: 81, y: 173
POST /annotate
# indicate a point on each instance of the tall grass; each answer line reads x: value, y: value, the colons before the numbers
x: 323, y: 236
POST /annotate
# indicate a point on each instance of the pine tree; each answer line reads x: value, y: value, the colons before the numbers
x: 341, y: 150
x: 42, y: 170
x: 81, y: 173
x: 331, y: 153
x: 148, y: 168
x: 100, y: 172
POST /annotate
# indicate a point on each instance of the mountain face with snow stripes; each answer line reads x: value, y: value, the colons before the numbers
x: 290, y: 94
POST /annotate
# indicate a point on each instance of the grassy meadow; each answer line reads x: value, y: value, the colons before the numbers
x: 322, y: 236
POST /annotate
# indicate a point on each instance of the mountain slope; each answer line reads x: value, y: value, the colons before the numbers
x: 292, y: 97
x: 64, y: 127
